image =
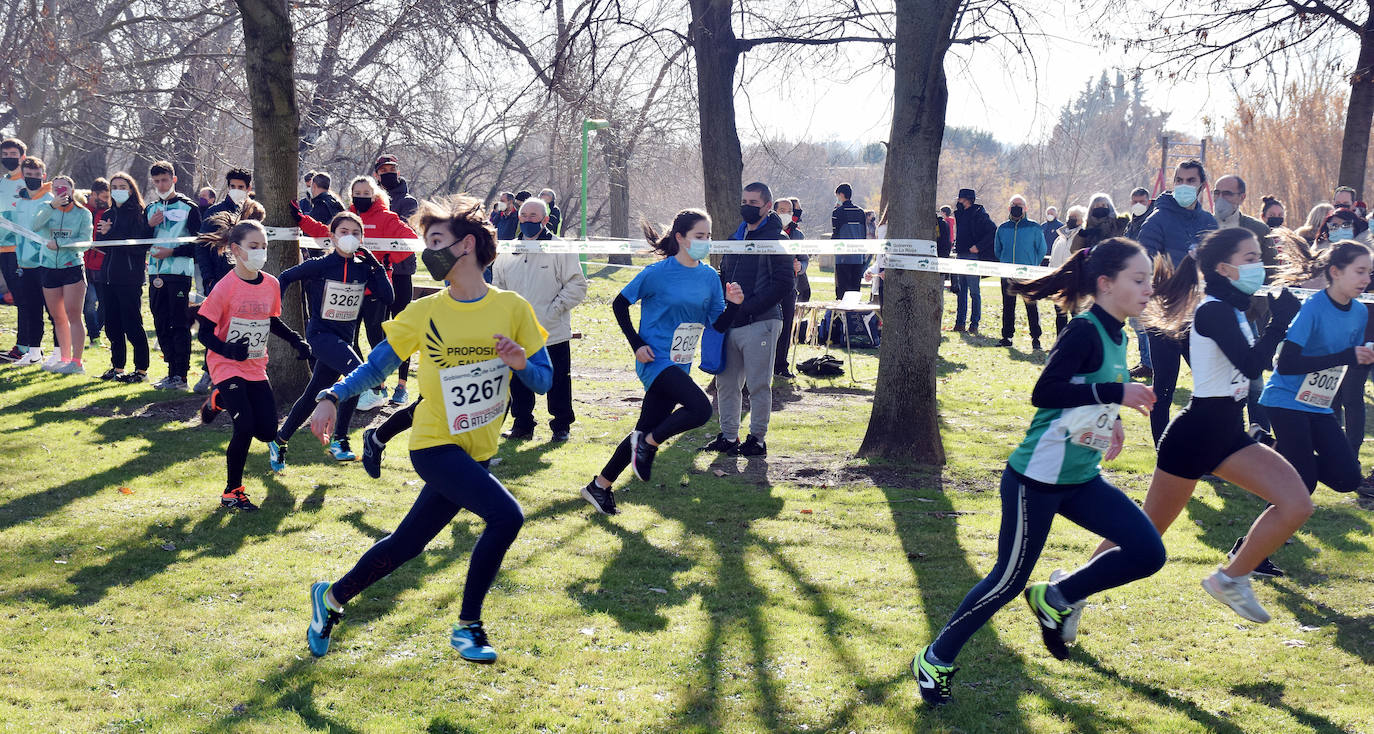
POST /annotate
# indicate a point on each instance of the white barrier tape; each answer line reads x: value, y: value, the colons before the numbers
x: 24, y: 232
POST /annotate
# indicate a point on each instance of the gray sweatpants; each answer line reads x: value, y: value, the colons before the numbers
x: 748, y: 361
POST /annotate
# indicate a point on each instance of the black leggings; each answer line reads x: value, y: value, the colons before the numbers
x: 672, y: 387
x: 254, y: 410
x: 397, y: 422
x: 453, y: 482
x: 334, y: 358
x: 400, y: 283
x: 1349, y: 405
x: 1315, y: 445
x: 123, y: 306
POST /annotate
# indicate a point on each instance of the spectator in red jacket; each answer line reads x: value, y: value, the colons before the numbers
x: 94, y: 310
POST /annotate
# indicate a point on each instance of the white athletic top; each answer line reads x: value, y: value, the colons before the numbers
x: 1213, y: 374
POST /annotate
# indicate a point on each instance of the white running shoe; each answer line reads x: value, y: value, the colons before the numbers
x: 34, y: 356
x: 370, y: 399
x: 72, y: 367
x: 53, y: 361
x: 1237, y: 594
x: 1070, y: 623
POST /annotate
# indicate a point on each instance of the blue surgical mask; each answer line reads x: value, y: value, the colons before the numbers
x: 1251, y: 278
x: 531, y: 229
x: 1343, y: 233
x: 699, y: 249
x: 1185, y: 195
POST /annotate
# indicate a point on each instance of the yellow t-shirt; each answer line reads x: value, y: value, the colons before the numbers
x: 449, y: 334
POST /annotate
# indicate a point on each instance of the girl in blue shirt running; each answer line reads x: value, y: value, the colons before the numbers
x: 678, y: 296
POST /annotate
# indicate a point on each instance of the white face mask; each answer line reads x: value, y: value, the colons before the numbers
x: 1138, y: 209
x: 254, y: 259
x: 169, y: 193
x: 120, y: 196
x: 347, y: 244
x: 238, y: 196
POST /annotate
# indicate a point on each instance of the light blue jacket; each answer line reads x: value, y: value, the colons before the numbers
x: 1021, y: 242
x: 22, y: 211
x: 66, y: 228
x: 181, y: 219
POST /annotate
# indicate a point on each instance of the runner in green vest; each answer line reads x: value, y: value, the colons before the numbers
x: 1056, y: 471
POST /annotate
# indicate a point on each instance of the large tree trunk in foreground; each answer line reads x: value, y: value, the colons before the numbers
x: 1355, y: 143
x: 722, y: 164
x: 905, y: 422
x: 270, y: 56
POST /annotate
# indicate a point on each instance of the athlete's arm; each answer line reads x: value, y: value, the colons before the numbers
x: 1217, y: 321
x: 377, y: 281
x: 236, y: 352
x: 621, y: 308
x: 538, y: 372
x: 1293, y: 362
x: 381, y: 362
x: 307, y: 269
x: 289, y: 335
x: 1078, y: 351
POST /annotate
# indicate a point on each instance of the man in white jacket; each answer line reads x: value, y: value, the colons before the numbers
x: 553, y: 284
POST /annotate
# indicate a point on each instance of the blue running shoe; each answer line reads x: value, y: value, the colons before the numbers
x: 340, y: 451
x: 372, y: 454
x: 470, y: 640
x: 399, y: 396
x: 322, y: 620
x: 276, y: 455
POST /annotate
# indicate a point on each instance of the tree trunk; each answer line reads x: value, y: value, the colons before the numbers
x: 270, y: 56
x: 722, y: 163
x: 1355, y: 144
x: 618, y: 179
x: 905, y: 421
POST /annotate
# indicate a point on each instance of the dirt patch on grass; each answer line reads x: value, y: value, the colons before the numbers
x: 178, y: 409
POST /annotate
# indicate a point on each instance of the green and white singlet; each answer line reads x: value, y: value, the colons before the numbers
x: 1064, y: 446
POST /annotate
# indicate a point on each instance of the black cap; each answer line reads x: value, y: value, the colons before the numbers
x: 968, y: 194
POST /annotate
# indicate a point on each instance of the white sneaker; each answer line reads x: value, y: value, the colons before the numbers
x: 1237, y: 594
x: 34, y: 356
x: 369, y: 400
x: 1070, y: 623
x: 53, y: 361
x: 72, y: 367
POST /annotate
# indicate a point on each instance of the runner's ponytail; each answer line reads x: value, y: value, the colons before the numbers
x: 1076, y: 280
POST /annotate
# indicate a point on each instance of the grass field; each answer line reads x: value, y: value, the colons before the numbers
x: 782, y: 595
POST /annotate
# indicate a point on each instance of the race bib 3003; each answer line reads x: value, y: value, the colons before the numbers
x: 1319, y: 388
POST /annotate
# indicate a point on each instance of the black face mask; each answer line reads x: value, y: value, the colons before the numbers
x: 1100, y: 212
x: 362, y: 203
x: 960, y: 206
x: 750, y: 213
x: 9, y: 163
x: 389, y: 180
x: 1017, y: 212
x: 796, y: 215
x: 1073, y: 224
x: 440, y: 262
x: 32, y: 183
x: 1274, y: 221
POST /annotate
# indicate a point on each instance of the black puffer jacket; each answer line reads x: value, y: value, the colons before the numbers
x: 765, y: 279
x: 125, y: 264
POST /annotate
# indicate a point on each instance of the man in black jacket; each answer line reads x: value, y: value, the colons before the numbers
x: 324, y: 205
x: 752, y: 340
x: 974, y: 232
x: 847, y: 222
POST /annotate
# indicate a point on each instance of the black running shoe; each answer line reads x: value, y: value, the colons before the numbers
x: 602, y: 499
x: 1267, y: 569
x: 236, y: 499
x: 723, y: 446
x: 1051, y: 620
x: 372, y: 454
x: 641, y: 456
x: 1261, y: 435
x: 113, y: 373
x: 12, y: 355
x: 752, y: 447
x: 935, y: 680
x: 210, y: 409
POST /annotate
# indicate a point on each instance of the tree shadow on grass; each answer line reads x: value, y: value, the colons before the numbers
x: 1354, y: 634
x: 292, y: 688
x: 218, y: 533
x: 1270, y: 694
x: 1160, y: 696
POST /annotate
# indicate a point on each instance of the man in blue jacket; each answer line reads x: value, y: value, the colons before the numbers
x: 847, y: 222
x: 973, y: 240
x: 1173, y: 229
x: 1019, y: 241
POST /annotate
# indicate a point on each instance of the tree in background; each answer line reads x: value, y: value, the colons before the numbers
x: 1241, y: 36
